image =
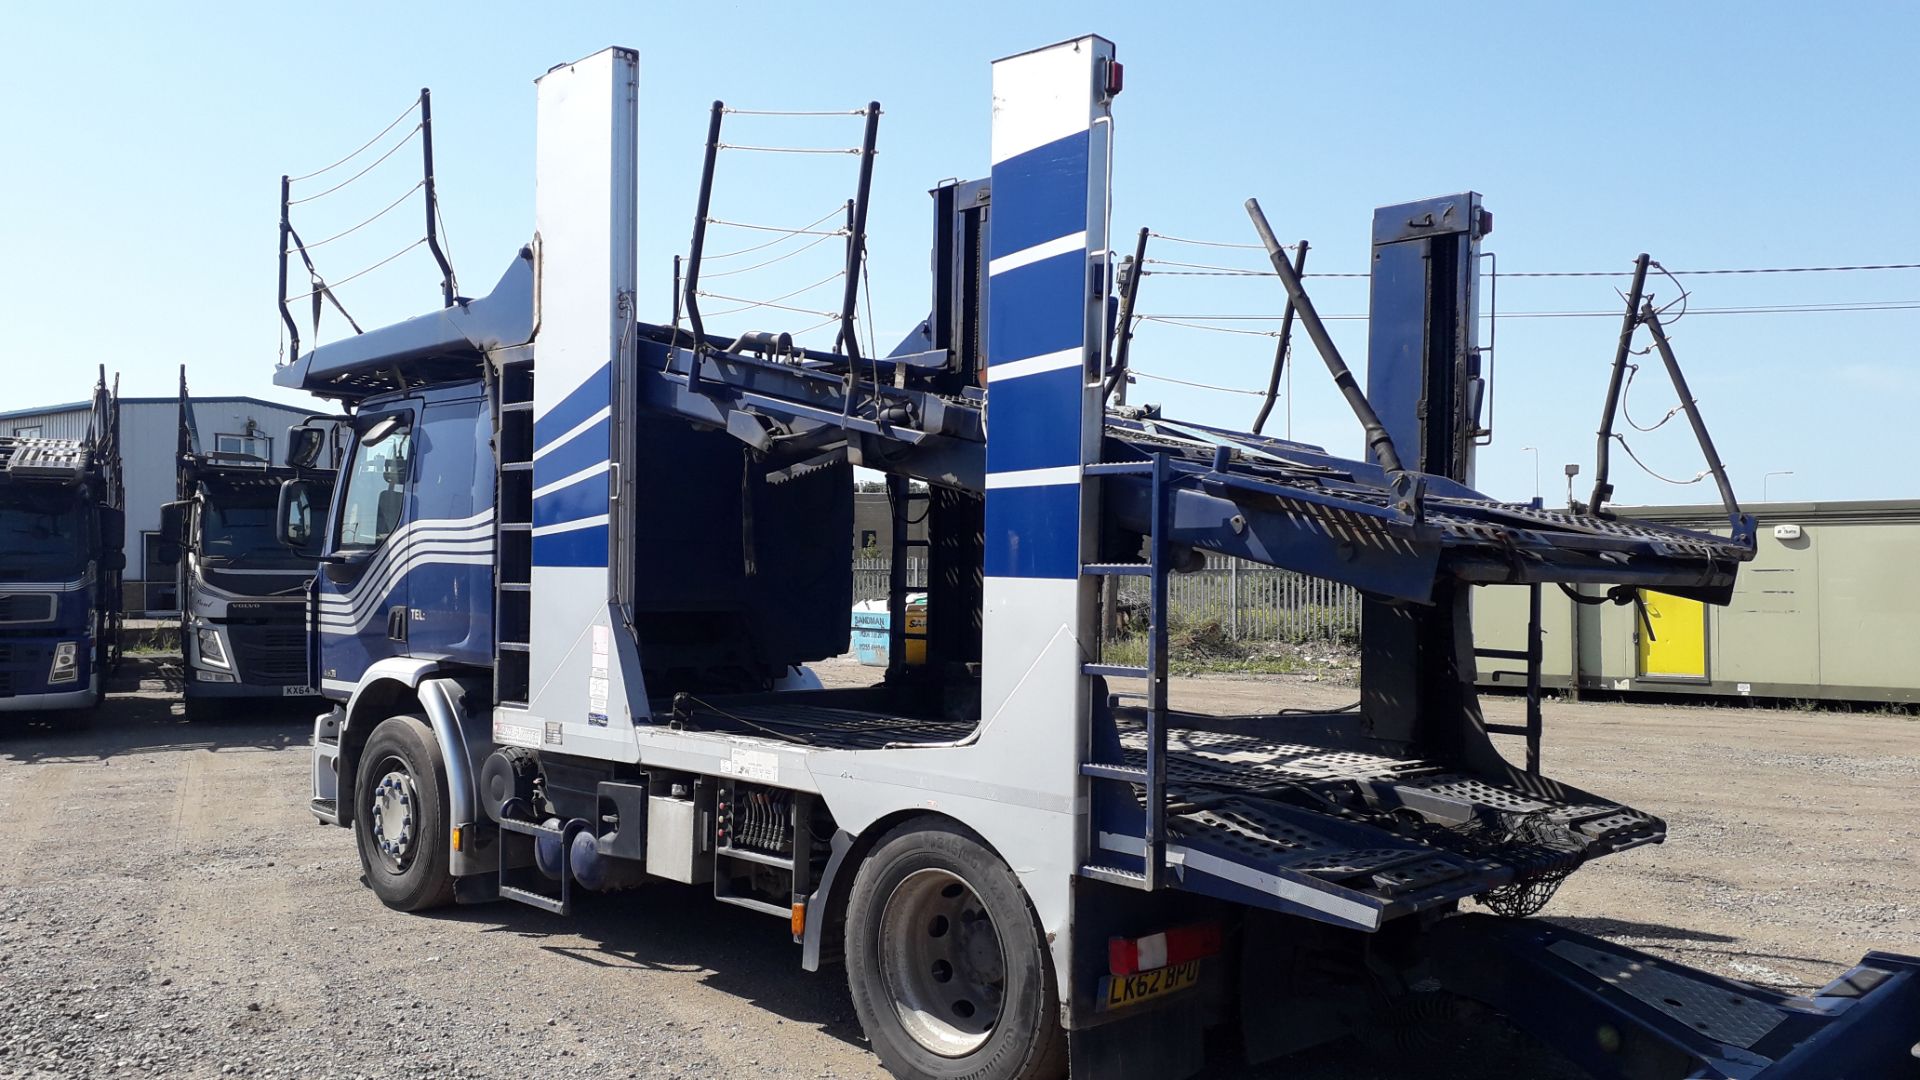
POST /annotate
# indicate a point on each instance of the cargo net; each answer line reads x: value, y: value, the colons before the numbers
x: 1550, y: 852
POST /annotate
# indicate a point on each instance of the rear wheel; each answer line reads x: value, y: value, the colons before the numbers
x: 947, y: 964
x: 400, y: 820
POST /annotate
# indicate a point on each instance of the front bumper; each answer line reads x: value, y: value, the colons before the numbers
x: 326, y: 765
x: 194, y: 688
x: 26, y: 664
x: 52, y: 702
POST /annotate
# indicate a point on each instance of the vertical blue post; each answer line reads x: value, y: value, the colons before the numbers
x: 1047, y: 279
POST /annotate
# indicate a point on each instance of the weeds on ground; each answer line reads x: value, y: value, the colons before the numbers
x: 1203, y: 646
x: 150, y: 641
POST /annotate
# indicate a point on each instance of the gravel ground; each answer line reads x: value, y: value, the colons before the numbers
x: 168, y: 907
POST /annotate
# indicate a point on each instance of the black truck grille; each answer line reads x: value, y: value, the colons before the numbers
x: 26, y: 608
x: 270, y: 652
x: 24, y: 656
x: 18, y: 664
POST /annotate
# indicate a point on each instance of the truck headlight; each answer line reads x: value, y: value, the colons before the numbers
x: 66, y: 663
x: 211, y: 651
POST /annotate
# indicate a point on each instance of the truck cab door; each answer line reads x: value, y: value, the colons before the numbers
x: 450, y: 591
x: 363, y: 614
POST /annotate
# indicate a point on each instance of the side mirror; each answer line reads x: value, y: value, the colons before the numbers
x: 113, y: 529
x: 304, y: 443
x: 173, y: 521
x: 173, y: 530
x: 115, y: 561
x: 298, y: 520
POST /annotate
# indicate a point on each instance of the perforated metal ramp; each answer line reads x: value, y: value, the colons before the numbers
x: 1385, y: 829
x: 1657, y: 1017
x: 823, y: 726
x: 1473, y: 537
x: 1721, y: 1014
x: 44, y: 459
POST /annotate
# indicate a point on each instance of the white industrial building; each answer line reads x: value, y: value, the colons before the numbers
x: 149, y: 438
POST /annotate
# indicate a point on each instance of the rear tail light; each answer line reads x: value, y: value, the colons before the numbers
x: 1128, y: 956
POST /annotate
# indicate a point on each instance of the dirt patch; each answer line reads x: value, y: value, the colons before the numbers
x: 169, y: 908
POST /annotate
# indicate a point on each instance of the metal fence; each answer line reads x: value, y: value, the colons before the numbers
x: 1251, y: 602
x: 870, y: 577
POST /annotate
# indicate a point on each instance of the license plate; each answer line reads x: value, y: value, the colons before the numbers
x: 1125, y: 991
x: 298, y: 691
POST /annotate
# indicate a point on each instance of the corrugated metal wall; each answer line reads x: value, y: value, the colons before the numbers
x: 65, y: 424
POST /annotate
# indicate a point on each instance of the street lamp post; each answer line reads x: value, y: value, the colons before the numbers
x: 1535, y: 451
x: 1769, y: 476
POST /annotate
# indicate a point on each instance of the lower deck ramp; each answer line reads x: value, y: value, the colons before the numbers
x: 1353, y: 832
x: 1301, y: 816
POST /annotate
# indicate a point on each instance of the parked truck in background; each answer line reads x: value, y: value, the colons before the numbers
x: 573, y: 557
x: 243, y: 595
x: 62, y: 551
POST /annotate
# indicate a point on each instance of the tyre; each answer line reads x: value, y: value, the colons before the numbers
x: 947, y: 964
x: 400, y: 820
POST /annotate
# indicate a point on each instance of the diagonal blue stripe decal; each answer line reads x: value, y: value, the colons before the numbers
x: 575, y: 547
x: 1025, y: 418
x: 1037, y: 309
x: 1040, y: 195
x: 590, y: 447
x: 1033, y: 532
x: 589, y: 397
x: 582, y: 498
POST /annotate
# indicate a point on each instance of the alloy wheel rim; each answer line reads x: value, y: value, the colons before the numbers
x: 943, y: 962
x: 390, y: 808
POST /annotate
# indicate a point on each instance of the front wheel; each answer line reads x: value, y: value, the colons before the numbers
x: 400, y: 820
x: 947, y: 964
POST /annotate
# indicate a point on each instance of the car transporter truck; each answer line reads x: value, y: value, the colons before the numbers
x: 62, y: 551
x: 243, y: 595
x: 574, y: 558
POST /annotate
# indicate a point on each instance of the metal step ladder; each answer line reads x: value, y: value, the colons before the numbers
x: 513, y: 529
x: 517, y: 877
x: 900, y: 498
x: 1531, y: 655
x: 1153, y: 776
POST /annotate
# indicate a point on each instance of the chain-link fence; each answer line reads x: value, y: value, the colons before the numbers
x: 1251, y: 602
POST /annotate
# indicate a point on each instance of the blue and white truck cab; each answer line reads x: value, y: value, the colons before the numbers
x: 573, y: 555
x: 243, y: 594
x: 406, y: 557
x: 62, y: 550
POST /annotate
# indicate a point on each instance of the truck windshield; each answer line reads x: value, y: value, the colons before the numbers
x: 236, y: 529
x: 43, y: 534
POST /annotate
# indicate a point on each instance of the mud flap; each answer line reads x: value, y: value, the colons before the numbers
x: 1622, y: 1013
x: 1162, y: 1044
x: 1164, y: 1039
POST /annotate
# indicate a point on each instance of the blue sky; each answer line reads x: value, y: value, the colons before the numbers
x: 145, y: 145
